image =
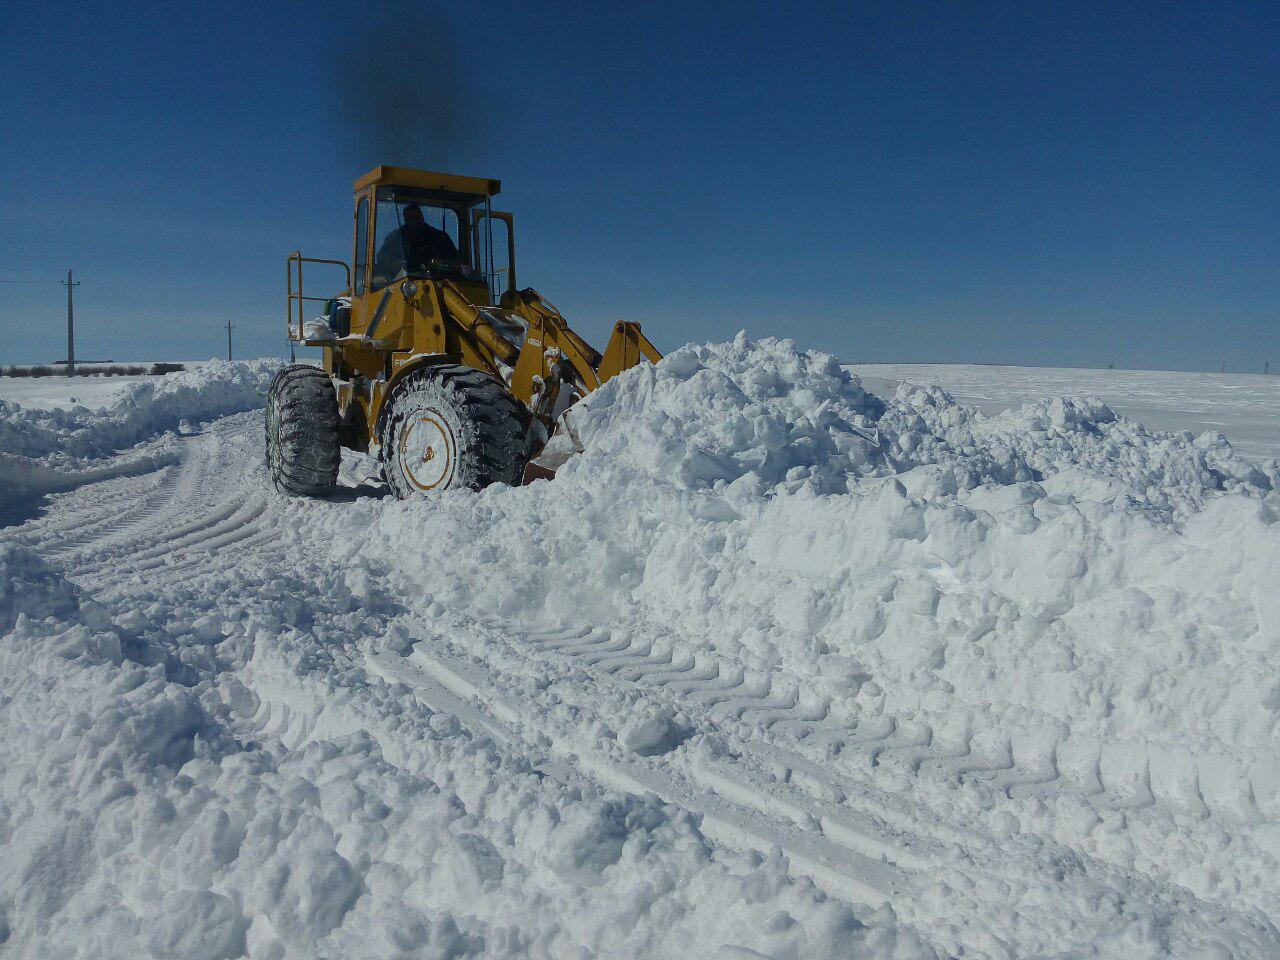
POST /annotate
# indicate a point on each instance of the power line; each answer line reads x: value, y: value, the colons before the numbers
x: 14, y: 275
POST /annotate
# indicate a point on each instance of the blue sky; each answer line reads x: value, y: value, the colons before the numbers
x: 1071, y: 184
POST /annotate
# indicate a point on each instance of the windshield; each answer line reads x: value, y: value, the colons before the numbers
x: 416, y: 236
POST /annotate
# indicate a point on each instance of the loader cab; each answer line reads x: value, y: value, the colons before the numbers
x: 418, y: 225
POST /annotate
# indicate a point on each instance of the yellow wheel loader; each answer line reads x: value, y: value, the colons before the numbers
x: 435, y: 361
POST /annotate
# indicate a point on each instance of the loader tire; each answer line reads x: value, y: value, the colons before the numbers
x: 302, y: 432
x: 447, y: 427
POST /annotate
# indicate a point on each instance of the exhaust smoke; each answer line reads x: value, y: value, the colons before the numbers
x: 405, y: 90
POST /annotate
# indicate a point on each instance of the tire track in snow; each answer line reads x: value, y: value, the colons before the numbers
x: 845, y: 871
x: 762, y: 795
x: 163, y: 535
x: 1106, y: 775
x: 102, y: 538
x: 79, y: 516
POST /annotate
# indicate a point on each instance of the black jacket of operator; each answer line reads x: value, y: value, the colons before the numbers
x: 414, y: 244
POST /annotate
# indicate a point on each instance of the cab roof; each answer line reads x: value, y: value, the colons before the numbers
x: 444, y: 182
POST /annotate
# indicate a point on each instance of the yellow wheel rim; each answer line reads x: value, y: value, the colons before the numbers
x: 426, y: 451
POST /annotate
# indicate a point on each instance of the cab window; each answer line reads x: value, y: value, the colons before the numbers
x: 415, y: 236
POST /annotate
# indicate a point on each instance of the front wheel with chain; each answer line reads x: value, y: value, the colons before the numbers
x: 303, y: 451
x: 451, y: 426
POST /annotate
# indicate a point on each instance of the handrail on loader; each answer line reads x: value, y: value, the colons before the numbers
x: 298, y: 259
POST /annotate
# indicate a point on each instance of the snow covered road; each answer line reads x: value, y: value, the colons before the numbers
x: 770, y: 671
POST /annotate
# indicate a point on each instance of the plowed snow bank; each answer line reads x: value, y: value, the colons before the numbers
x: 1058, y: 576
x: 43, y: 451
x: 141, y: 410
x: 764, y: 418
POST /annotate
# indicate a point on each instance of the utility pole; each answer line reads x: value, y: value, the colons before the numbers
x: 230, y: 327
x: 71, y: 329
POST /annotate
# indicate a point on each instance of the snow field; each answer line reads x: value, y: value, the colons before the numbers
x: 1245, y: 407
x: 1025, y: 663
x: 46, y: 393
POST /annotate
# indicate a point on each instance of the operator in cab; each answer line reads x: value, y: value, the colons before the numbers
x: 415, y: 244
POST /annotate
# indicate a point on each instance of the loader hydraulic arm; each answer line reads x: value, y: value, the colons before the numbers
x: 550, y: 337
x: 469, y: 315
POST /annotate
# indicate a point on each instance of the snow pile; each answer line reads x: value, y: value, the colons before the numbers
x: 1244, y: 406
x: 743, y: 418
x: 1067, y: 624
x: 317, y: 329
x: 42, y: 451
x: 1054, y: 565
x: 1057, y: 577
x: 1075, y: 439
x: 753, y: 418
x: 141, y: 410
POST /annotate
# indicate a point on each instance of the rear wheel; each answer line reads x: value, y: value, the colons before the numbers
x: 451, y: 426
x: 302, y: 432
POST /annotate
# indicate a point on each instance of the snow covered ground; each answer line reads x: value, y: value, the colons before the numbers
x: 1245, y: 407
x: 55, y: 392
x: 46, y: 393
x: 778, y: 667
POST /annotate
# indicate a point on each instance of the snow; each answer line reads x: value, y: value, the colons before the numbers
x: 57, y: 447
x: 777, y: 666
x: 1244, y: 407
x: 46, y: 393
x: 137, y: 824
x: 317, y: 329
